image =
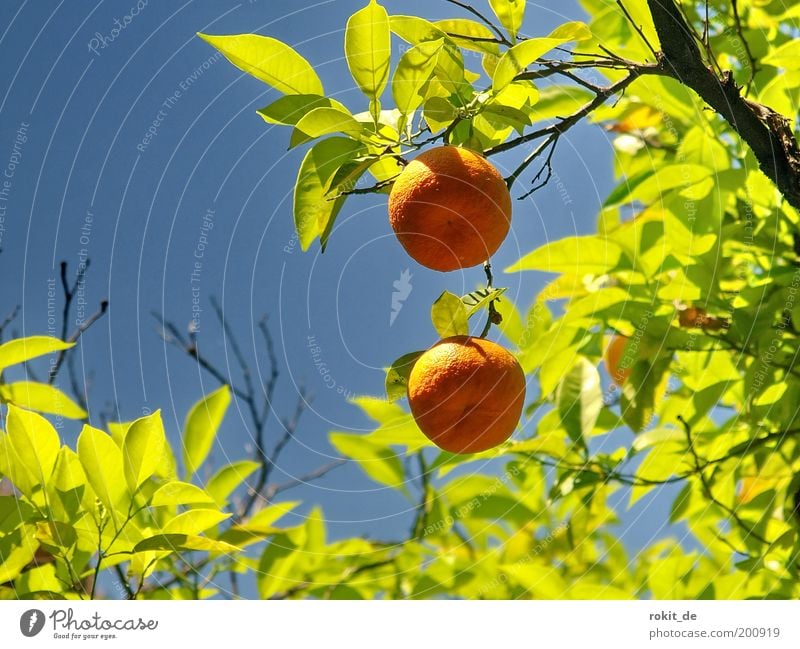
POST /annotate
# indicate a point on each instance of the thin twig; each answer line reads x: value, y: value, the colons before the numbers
x: 568, y: 122
x: 324, y: 470
x: 483, y: 19
x: 751, y: 59
x: 707, y: 487
x: 638, y: 28
x: 8, y: 320
x: 73, y: 338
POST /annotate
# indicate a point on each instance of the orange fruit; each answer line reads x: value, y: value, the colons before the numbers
x: 618, y: 366
x: 466, y: 394
x: 698, y: 317
x: 450, y: 208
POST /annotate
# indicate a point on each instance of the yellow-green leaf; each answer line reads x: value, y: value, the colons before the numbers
x: 201, y: 427
x: 511, y: 13
x: 449, y: 316
x: 35, y: 441
x: 142, y: 449
x: 101, y: 459
x: 368, y: 47
x: 41, y: 397
x: 519, y: 57
x: 575, y: 255
x: 24, y: 349
x: 270, y: 61
x: 180, y: 493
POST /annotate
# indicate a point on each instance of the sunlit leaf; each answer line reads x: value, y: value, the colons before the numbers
x: 449, y: 316
x: 142, y: 449
x: 201, y: 427
x: 368, y: 47
x: 270, y: 61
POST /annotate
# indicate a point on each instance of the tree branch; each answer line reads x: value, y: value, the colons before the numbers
x: 768, y: 134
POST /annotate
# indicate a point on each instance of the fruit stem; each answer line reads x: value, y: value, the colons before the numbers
x: 494, y: 317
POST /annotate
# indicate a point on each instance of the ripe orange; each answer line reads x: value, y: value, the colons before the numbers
x: 698, y: 317
x: 618, y: 364
x: 466, y: 394
x: 450, y: 208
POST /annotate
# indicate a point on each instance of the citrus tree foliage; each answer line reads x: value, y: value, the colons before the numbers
x: 695, y: 261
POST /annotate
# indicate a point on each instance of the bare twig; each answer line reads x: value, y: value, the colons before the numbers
x: 324, y: 470
x: 740, y: 32
x: 79, y: 331
x: 12, y: 315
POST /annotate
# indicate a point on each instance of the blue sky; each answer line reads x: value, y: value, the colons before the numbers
x: 142, y: 150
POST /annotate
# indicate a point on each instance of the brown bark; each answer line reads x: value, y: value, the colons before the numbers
x: 769, y: 134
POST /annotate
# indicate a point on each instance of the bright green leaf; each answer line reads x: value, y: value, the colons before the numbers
x: 368, y: 48
x: 313, y: 210
x: 201, y: 427
x: 270, y: 61
x: 398, y: 373
x: 576, y: 255
x: 228, y: 478
x: 519, y: 57
x: 102, y: 462
x: 288, y: 110
x: 412, y: 74
x: 180, y: 493
x: 324, y: 121
x: 511, y: 13
x: 580, y: 400
x: 449, y: 316
x: 41, y: 397
x: 142, y: 449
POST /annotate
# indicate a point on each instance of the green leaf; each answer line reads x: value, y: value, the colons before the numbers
x: 35, y: 441
x: 469, y: 34
x: 647, y: 188
x: 510, y: 13
x: 449, y: 316
x: 24, y: 349
x: 142, y: 449
x: 398, y: 373
x: 786, y: 56
x: 265, y: 518
x: 183, y: 543
x: 101, y: 460
x: 270, y: 61
x: 276, y: 565
x: 519, y: 57
x: 575, y: 255
x: 41, y: 397
x: 643, y: 391
x: 17, y: 550
x: 201, y: 427
x: 580, y: 400
x: 288, y: 110
x: 195, y: 521
x: 324, y: 121
x: 228, y: 478
x: 368, y: 48
x: 480, y: 299
x: 412, y: 74
x: 313, y: 211
x: 379, y: 462
x: 623, y: 190
x: 556, y: 101
x: 180, y: 493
